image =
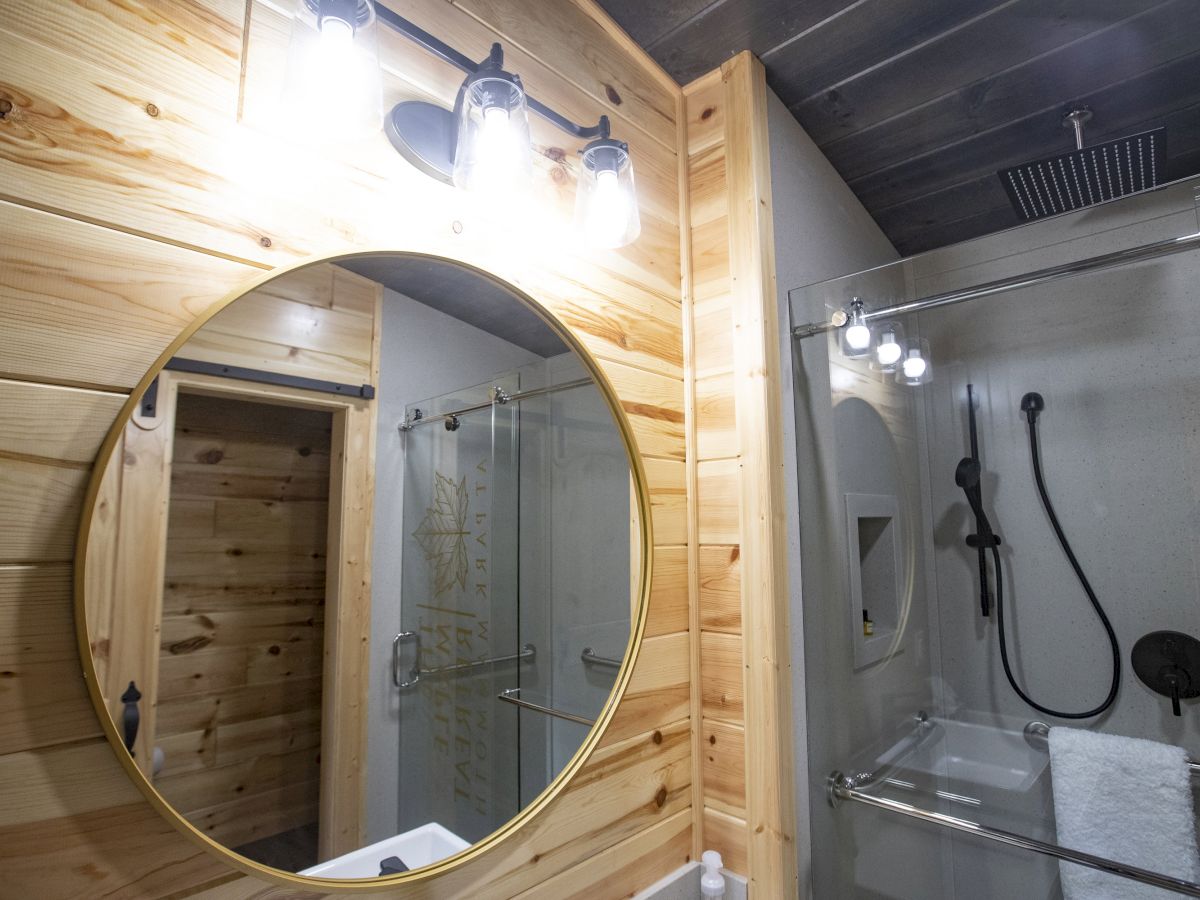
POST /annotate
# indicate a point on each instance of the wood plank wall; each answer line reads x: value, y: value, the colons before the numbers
x: 138, y: 184
x: 239, y: 689
x: 745, y: 733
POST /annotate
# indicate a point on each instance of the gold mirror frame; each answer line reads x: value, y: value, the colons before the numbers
x: 586, y: 748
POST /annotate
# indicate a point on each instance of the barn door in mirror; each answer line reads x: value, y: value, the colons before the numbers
x: 350, y: 544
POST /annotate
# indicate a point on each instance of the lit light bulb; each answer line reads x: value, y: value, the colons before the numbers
x: 608, y: 214
x: 333, y: 89
x: 858, y: 337
x: 337, y: 39
x: 498, y: 156
x: 494, y: 136
x: 914, y: 366
x: 888, y: 352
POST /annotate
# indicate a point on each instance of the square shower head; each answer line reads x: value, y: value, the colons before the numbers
x: 1087, y: 176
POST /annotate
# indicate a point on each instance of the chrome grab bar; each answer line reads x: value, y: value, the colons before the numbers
x: 1037, y: 736
x: 590, y: 658
x: 512, y: 695
x: 839, y: 789
x: 528, y: 652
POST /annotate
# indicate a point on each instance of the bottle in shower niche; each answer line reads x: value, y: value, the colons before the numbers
x: 868, y: 625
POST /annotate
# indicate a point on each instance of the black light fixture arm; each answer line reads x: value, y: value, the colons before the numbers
x: 446, y: 53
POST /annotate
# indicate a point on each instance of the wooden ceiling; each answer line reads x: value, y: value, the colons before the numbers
x: 918, y: 103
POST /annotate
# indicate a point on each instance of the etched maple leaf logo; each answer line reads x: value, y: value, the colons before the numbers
x: 442, y: 534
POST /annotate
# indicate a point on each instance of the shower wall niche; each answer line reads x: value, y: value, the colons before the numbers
x: 1114, y: 356
x: 872, y: 534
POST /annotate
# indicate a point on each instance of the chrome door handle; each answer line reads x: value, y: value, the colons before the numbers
x: 414, y: 674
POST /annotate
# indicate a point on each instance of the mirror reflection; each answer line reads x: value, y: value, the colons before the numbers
x: 362, y: 568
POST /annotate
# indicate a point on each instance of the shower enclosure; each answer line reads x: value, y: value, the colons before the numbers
x: 501, y: 592
x: 927, y: 773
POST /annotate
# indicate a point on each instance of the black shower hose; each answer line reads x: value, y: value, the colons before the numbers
x: 1087, y: 588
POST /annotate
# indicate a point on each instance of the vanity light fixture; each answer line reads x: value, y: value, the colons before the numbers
x: 481, y: 145
x: 492, y: 152
x: 605, y: 197
x: 333, y: 83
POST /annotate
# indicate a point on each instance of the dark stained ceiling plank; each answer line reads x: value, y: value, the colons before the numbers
x: 917, y: 224
x: 647, y: 21
x: 1012, y: 35
x: 1135, y: 105
x: 727, y: 27
x: 864, y: 36
x: 918, y: 103
x: 1105, y: 59
x: 986, y: 221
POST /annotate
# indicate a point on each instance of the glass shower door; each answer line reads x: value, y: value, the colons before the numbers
x: 459, y: 612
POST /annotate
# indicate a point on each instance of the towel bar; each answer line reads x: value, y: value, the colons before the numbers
x: 838, y: 790
x: 1037, y: 736
x: 512, y: 695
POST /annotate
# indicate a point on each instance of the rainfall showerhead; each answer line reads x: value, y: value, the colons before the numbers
x: 1086, y: 175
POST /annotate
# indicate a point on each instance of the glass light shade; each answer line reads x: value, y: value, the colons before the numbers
x: 492, y: 155
x: 915, y: 367
x: 888, y: 347
x: 333, y: 90
x: 855, y: 336
x: 606, y: 209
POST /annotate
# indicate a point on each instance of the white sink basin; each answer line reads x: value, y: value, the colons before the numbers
x: 416, y: 848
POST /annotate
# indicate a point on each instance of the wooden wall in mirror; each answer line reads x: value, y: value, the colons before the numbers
x: 364, y: 569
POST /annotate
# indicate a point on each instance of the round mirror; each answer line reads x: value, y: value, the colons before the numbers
x: 363, y: 568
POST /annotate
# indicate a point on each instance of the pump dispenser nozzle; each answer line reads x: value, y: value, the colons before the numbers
x: 712, y: 882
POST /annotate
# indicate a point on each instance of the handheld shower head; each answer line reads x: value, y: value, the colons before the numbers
x: 967, y: 473
x: 1032, y: 405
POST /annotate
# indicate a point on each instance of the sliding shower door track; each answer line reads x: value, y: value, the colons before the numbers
x: 838, y: 791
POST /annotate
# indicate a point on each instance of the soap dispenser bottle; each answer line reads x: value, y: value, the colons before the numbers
x: 712, y: 882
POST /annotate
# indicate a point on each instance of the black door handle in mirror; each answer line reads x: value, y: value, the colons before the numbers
x: 130, y: 717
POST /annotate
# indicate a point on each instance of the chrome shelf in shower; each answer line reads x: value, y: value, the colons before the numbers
x: 862, y: 787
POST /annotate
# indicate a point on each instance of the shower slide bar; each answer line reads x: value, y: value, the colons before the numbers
x: 500, y: 397
x: 838, y: 791
x: 513, y: 696
x: 528, y: 653
x: 1040, y: 276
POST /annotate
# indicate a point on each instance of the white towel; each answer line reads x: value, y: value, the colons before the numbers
x: 1125, y: 799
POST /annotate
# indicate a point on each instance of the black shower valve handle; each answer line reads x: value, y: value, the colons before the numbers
x: 1168, y: 662
x: 1177, y: 681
